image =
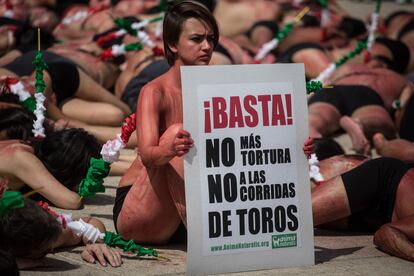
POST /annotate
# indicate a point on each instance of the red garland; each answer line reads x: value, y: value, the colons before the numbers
x: 107, y: 54
x: 106, y: 38
x: 11, y: 81
x: 157, y: 51
x: 8, y: 5
x: 45, y: 207
x: 367, y: 56
x: 128, y: 128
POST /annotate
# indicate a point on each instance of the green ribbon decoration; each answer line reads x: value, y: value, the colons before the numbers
x: 40, y: 65
x: 133, y: 47
x: 126, y: 25
x: 93, y: 182
x: 286, y: 30
x: 29, y: 104
x: 313, y: 86
x: 10, y: 200
x: 111, y: 239
x: 358, y: 49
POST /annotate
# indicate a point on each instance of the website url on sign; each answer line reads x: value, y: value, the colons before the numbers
x: 240, y: 245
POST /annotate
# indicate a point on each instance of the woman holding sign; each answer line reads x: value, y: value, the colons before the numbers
x: 150, y: 199
x: 150, y: 202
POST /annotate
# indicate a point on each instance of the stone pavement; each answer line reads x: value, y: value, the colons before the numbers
x: 336, y: 253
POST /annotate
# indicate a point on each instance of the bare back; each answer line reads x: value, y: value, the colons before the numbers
x: 386, y: 83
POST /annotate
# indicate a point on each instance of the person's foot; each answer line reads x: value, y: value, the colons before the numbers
x: 354, y: 129
x: 379, y: 142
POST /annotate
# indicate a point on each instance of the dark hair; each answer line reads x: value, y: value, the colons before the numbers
x: 8, y: 264
x: 352, y: 27
x: 400, y: 54
x: 18, y: 123
x: 66, y: 154
x: 326, y: 147
x: 24, y: 230
x: 174, y: 20
x: 6, y: 95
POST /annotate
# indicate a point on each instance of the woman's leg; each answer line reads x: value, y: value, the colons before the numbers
x: 397, y: 148
x: 93, y: 113
x: 90, y: 90
x: 323, y: 119
x: 330, y: 202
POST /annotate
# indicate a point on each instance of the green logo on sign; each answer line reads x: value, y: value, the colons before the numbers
x: 284, y: 240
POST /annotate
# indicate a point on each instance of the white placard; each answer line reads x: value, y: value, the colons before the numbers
x: 247, y: 178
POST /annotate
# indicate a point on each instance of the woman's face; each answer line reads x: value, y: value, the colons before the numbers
x: 195, y: 44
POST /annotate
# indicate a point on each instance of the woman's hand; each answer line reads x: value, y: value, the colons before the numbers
x: 176, y: 141
x: 308, y: 147
x: 103, y: 253
x: 182, y: 142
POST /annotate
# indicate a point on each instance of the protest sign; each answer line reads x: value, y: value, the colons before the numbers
x: 247, y: 178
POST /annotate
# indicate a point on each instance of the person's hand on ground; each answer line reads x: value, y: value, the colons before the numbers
x: 102, y: 253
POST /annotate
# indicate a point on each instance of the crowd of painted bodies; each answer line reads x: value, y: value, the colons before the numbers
x: 150, y: 203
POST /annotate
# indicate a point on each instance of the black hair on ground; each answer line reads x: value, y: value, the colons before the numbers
x: 66, y: 154
x: 28, y: 229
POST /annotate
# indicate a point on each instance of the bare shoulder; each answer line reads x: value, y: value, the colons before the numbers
x: 8, y: 147
x: 158, y: 85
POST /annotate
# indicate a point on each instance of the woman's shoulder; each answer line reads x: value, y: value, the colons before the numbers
x: 8, y: 147
x: 159, y: 84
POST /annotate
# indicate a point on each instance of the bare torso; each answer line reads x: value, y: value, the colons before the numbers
x: 150, y: 198
x: 236, y: 17
x: 386, y: 83
x: 104, y: 73
x: 404, y: 203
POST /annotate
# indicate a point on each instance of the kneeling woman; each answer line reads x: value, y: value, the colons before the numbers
x: 150, y: 202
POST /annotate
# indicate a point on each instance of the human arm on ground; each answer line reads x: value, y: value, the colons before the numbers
x: 92, y: 251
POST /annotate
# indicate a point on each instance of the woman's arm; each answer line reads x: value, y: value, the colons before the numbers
x: 23, y: 164
x: 156, y: 150
x: 93, y: 251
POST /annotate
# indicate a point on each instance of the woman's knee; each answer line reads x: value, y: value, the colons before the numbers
x: 114, y: 116
x: 148, y: 232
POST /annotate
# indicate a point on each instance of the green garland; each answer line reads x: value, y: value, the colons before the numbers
x: 358, y: 49
x: 378, y: 6
x: 93, y: 182
x: 313, y: 86
x: 156, y: 19
x: 133, y: 47
x: 286, y: 30
x: 29, y: 104
x: 111, y: 239
x: 40, y: 65
x: 10, y: 200
x: 125, y: 24
x: 323, y: 3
